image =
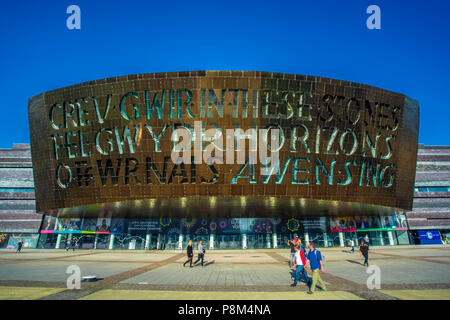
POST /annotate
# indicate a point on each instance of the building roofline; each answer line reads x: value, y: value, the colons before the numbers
x: 423, y: 146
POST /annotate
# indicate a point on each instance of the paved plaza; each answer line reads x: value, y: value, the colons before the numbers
x: 407, y: 272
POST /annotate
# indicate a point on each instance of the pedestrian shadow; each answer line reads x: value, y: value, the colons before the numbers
x: 208, y: 263
x: 347, y: 251
x: 356, y: 262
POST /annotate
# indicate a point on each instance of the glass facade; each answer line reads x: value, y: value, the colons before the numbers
x: 235, y: 233
x: 10, y: 241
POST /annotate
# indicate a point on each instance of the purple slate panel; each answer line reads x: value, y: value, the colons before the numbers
x: 17, y: 208
x: 431, y: 210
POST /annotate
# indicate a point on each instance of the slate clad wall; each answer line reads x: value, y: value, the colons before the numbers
x: 17, y: 201
x: 431, y: 209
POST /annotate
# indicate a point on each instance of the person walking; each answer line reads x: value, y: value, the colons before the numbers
x: 19, y: 245
x: 71, y: 244
x: 190, y: 254
x: 364, y: 251
x: 352, y: 244
x: 314, y: 258
x: 297, y: 243
x: 300, y: 261
x: 201, y: 252
x: 367, y: 241
x: 301, y: 247
x: 292, y: 254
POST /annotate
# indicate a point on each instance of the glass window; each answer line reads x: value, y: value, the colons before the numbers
x: 86, y: 241
x: 4, y: 238
x: 29, y: 240
x: 317, y: 238
x: 102, y: 241
x: 170, y: 241
x: 127, y: 241
x: 348, y: 236
x: 47, y: 241
x: 432, y: 189
x: 256, y: 241
x: 333, y: 239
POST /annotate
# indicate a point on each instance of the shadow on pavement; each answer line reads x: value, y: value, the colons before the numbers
x: 356, y: 262
x: 208, y: 263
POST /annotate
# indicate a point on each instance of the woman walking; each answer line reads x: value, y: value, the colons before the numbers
x: 364, y: 250
x: 352, y: 244
x: 190, y: 254
x: 19, y: 245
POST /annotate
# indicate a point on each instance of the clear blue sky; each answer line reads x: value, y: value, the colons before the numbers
x: 410, y: 54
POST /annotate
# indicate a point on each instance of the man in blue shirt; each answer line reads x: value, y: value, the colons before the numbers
x: 314, y: 258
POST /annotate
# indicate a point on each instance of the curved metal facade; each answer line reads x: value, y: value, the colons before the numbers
x: 344, y: 148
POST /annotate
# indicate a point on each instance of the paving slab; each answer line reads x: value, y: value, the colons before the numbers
x: 217, y: 275
x: 24, y: 293
x: 440, y: 259
x: 114, y: 294
x: 393, y: 271
x: 111, y: 256
x: 56, y: 270
x: 438, y: 294
x: 235, y: 258
x: 415, y: 252
x: 9, y: 254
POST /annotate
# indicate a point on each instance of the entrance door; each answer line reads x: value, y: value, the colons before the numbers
x: 171, y: 241
x: 317, y: 238
x: 251, y: 241
x: 86, y: 241
x: 152, y: 241
x: 374, y: 237
x: 102, y: 241
x: 204, y: 238
x: 261, y: 241
x: 256, y: 241
x: 220, y: 242
x: 348, y: 236
x: 235, y: 241
x: 46, y: 240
